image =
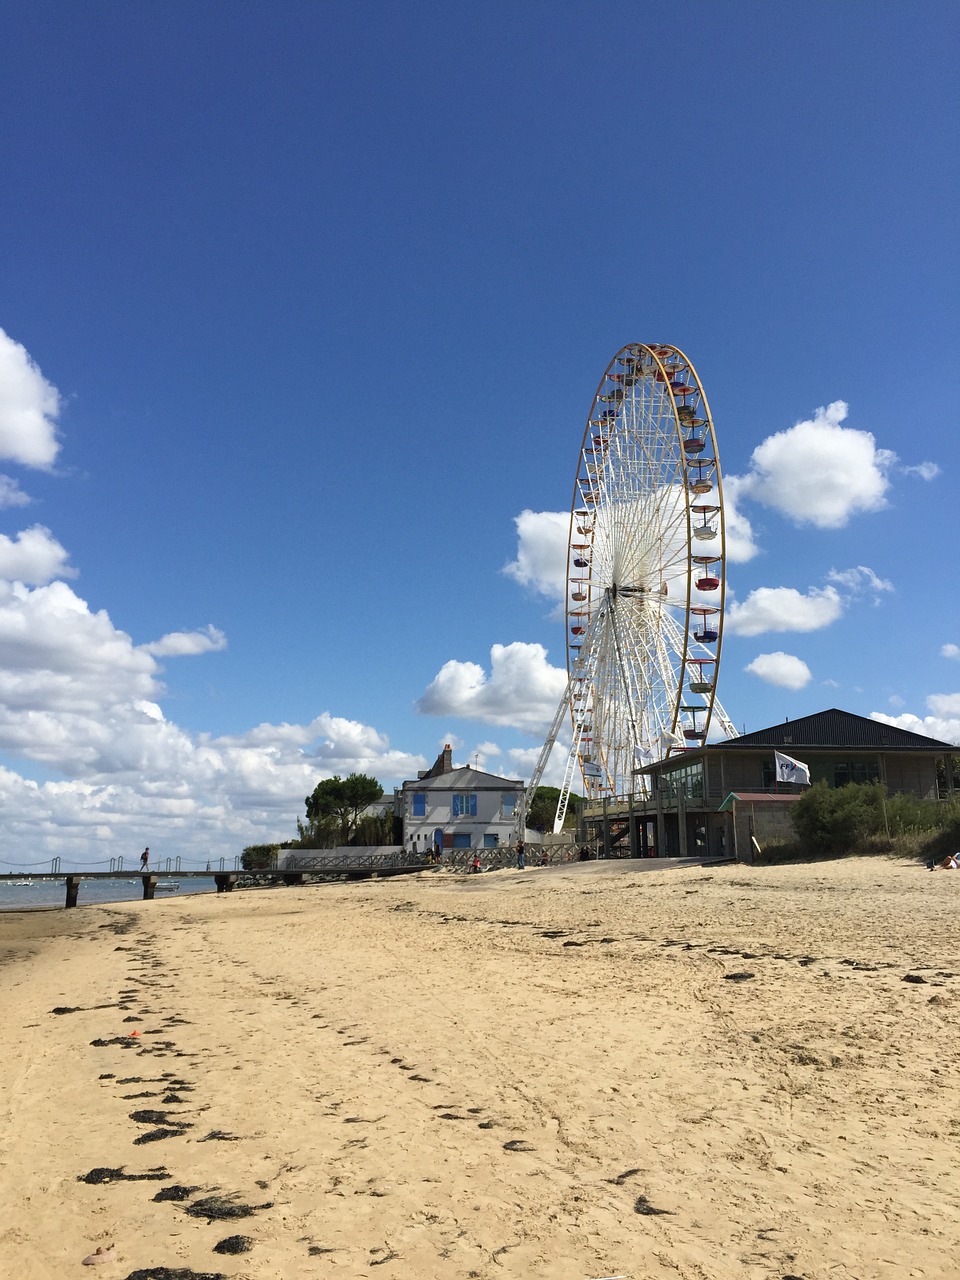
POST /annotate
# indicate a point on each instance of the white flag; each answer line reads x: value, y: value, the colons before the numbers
x: 790, y: 770
x: 643, y: 755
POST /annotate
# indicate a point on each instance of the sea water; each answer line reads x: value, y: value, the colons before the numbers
x: 53, y: 893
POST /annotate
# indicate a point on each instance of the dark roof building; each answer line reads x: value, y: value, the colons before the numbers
x: 689, y: 803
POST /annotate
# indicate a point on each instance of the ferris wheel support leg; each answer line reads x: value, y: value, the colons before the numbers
x: 564, y: 798
x: 542, y: 760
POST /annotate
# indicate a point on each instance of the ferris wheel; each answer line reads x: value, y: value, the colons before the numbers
x: 645, y: 577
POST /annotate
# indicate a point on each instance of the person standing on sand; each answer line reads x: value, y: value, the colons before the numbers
x: 521, y: 860
x: 145, y: 859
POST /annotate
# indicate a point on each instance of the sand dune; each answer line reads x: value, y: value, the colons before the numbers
x: 705, y: 1073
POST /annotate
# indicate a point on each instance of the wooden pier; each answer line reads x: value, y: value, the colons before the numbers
x: 358, y: 866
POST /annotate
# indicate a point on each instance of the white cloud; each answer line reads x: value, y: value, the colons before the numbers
x: 520, y: 762
x: 178, y: 644
x: 11, y: 495
x: 541, y: 562
x: 522, y: 690
x: 82, y: 701
x: 784, y: 609
x: 944, y: 704
x: 925, y: 470
x: 860, y: 580
x: 944, y: 729
x: 819, y: 472
x: 34, y: 557
x: 29, y: 406
x: 950, y: 651
x: 738, y: 532
x: 781, y: 669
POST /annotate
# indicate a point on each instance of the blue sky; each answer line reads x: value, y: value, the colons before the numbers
x: 305, y: 304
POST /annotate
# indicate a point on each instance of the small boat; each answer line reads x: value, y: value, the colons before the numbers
x: 168, y: 886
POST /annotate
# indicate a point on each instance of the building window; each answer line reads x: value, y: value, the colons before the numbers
x: 465, y: 805
x: 861, y: 771
x: 508, y: 804
x: 491, y: 842
x: 419, y: 804
x: 687, y: 780
x: 461, y: 841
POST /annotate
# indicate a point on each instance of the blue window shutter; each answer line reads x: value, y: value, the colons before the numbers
x: 473, y: 806
x: 419, y: 804
x: 456, y: 806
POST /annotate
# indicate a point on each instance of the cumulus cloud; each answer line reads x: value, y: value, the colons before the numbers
x: 740, y: 543
x: 82, y: 701
x: 541, y: 562
x: 946, y: 729
x: 29, y: 407
x: 944, y: 704
x: 784, y: 609
x: 179, y: 644
x: 11, y: 495
x: 925, y: 470
x: 34, y: 557
x: 781, y: 669
x: 860, y: 580
x: 950, y: 651
x: 819, y: 472
x: 522, y: 689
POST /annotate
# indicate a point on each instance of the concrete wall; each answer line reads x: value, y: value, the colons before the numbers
x: 768, y: 822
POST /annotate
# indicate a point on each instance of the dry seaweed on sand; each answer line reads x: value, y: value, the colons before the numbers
x: 157, y: 1135
x: 102, y: 1175
x: 173, y: 1273
x: 222, y: 1208
x: 176, y: 1192
x: 234, y: 1244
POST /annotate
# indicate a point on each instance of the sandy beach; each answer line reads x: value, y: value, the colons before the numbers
x: 704, y: 1072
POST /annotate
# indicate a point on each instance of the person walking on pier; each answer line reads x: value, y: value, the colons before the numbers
x: 145, y: 859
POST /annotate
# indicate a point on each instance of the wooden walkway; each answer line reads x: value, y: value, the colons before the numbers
x: 358, y: 866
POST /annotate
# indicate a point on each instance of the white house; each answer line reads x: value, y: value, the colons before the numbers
x: 448, y: 808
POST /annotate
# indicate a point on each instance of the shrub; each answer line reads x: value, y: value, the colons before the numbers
x: 864, y: 819
x: 834, y: 820
x: 259, y: 857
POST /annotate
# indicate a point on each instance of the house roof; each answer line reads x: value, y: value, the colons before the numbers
x: 463, y: 779
x: 759, y: 797
x: 835, y: 728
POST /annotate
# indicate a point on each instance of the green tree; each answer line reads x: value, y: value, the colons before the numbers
x: 543, y: 809
x: 259, y: 857
x: 334, y: 809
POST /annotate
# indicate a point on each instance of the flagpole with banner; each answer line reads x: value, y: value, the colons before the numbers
x: 790, y: 770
